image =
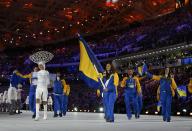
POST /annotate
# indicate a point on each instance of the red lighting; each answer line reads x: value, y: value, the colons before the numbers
x: 28, y: 5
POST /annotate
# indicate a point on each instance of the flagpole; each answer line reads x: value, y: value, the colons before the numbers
x: 100, y: 78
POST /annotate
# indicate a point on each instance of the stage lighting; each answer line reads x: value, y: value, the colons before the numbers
x: 156, y: 113
x: 114, y: 1
x: 178, y: 113
x: 191, y: 114
x: 184, y: 110
x: 147, y: 112
x: 75, y: 109
x: 94, y: 111
x: 101, y: 109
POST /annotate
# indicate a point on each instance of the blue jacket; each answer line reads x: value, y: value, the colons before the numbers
x: 58, y: 87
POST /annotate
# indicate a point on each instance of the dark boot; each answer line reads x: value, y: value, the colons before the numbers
x: 33, y: 116
x: 55, y: 115
x: 60, y: 114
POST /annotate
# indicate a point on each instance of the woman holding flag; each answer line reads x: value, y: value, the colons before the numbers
x: 110, y: 79
x: 90, y: 70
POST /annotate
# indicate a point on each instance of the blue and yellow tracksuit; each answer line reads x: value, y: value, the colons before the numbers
x: 131, y: 92
x: 166, y: 89
x: 57, y: 96
x: 109, y: 96
x: 32, y: 100
x: 66, y: 92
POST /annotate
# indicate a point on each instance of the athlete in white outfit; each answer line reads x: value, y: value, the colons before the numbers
x: 43, y: 82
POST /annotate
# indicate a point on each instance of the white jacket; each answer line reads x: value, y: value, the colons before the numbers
x: 43, y: 79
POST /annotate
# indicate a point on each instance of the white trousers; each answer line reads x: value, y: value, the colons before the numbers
x: 41, y: 94
x: 12, y: 94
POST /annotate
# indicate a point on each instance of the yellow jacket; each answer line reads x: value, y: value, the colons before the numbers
x: 66, y: 87
x: 138, y: 85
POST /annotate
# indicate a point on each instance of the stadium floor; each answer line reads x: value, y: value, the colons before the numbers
x: 91, y: 122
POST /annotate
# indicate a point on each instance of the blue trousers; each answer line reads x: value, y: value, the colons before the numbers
x: 32, y: 99
x: 111, y: 98
x: 140, y: 103
x: 131, y: 98
x: 57, y: 103
x: 166, y: 100
x: 65, y: 104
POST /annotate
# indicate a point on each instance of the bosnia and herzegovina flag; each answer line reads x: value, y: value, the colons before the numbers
x: 142, y: 69
x: 182, y: 91
x: 86, y: 67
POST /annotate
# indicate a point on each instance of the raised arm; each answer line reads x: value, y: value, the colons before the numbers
x: 28, y: 76
x: 154, y: 77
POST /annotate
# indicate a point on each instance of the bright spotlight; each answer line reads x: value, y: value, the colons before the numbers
x: 178, y: 113
x: 184, y: 110
x: 101, y: 109
x: 75, y: 109
x: 115, y: 1
x: 147, y: 112
x: 191, y: 114
x: 156, y: 113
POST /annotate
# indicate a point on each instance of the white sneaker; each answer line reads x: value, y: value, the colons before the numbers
x: 45, y: 118
x: 36, y: 118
